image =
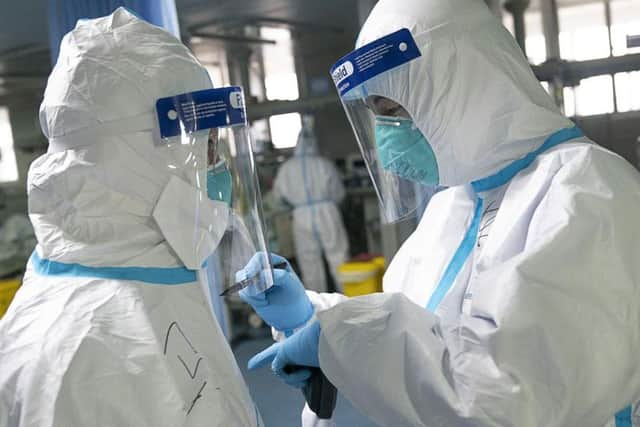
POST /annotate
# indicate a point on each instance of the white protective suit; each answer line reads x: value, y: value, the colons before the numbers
x: 516, y: 302
x: 313, y: 186
x: 108, y: 329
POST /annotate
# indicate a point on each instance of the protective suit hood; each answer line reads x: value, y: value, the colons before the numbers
x: 471, y: 92
x: 102, y: 90
x: 307, y: 144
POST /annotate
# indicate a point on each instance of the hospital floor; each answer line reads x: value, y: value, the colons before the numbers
x: 279, y: 404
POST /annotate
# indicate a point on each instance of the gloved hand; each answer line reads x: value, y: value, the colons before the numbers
x: 297, y: 351
x: 285, y: 305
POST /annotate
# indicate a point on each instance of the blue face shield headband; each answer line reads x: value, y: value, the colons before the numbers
x: 404, y: 151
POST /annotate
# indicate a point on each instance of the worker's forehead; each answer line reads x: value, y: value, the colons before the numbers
x: 378, y: 102
x: 380, y: 105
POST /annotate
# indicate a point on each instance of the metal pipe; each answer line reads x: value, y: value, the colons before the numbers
x: 22, y: 51
x: 633, y: 40
x: 243, y: 21
x: 495, y: 7
x: 271, y: 108
x: 299, y: 66
x: 31, y: 81
x: 551, y: 28
x: 571, y: 72
x: 238, y: 64
x: 517, y: 9
x: 607, y: 14
x: 232, y: 39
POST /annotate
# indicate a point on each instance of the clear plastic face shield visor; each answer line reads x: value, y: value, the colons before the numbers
x: 394, y: 150
x: 210, y: 211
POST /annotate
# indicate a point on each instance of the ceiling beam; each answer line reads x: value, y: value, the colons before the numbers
x: 571, y: 72
x: 230, y: 38
x: 265, y: 20
x: 34, y: 81
x: 22, y: 51
x: 265, y: 109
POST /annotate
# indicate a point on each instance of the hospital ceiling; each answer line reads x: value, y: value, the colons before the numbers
x: 24, y: 52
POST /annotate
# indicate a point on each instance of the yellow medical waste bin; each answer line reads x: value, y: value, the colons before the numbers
x: 360, y: 278
x: 380, y: 262
x: 8, y: 289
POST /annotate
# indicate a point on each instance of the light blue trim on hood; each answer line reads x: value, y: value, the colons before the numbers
x: 504, y: 175
x: 623, y: 418
x: 153, y: 275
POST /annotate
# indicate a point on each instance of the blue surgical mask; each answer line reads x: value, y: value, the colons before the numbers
x: 404, y: 151
x: 219, y: 183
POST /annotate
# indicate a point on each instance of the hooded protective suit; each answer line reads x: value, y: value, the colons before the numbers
x: 313, y: 186
x: 109, y: 328
x: 515, y: 302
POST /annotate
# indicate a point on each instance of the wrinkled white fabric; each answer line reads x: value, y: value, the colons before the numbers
x: 79, y: 351
x: 540, y: 325
x: 313, y: 186
x: 178, y: 202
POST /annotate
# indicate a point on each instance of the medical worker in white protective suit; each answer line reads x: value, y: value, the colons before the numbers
x: 312, y: 185
x: 111, y: 326
x: 516, y: 302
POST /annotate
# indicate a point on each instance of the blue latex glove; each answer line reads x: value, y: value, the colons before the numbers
x: 285, y: 305
x: 297, y: 351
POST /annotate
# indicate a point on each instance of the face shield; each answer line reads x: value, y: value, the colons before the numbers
x: 211, y: 204
x: 400, y: 160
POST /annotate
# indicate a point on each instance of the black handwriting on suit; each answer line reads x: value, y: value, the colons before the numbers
x: 176, y: 331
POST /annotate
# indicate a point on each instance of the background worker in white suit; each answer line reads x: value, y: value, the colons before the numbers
x: 312, y: 185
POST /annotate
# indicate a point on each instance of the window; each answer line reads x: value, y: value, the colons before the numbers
x: 280, y: 77
x: 507, y: 21
x: 593, y: 96
x: 216, y: 75
x: 627, y: 91
x: 535, y: 40
x: 8, y: 164
x: 281, y: 83
x: 260, y: 134
x: 583, y: 36
x: 568, y: 93
x: 625, y: 21
x: 583, y: 32
x: 285, y: 129
x: 256, y: 78
x: 546, y: 86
